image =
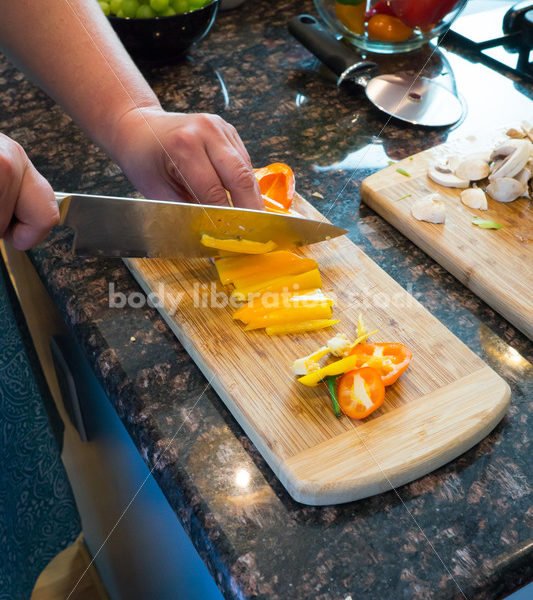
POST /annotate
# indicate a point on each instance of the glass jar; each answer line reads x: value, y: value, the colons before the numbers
x: 389, y: 26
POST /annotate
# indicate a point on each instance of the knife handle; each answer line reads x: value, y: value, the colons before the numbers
x: 324, y: 45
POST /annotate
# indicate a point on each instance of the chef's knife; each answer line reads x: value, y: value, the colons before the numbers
x: 140, y: 228
x: 417, y: 100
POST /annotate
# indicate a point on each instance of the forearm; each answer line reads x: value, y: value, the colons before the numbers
x: 69, y: 49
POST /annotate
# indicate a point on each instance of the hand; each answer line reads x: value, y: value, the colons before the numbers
x: 185, y: 157
x: 28, y: 209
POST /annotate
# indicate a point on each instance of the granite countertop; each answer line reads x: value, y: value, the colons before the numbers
x: 465, y: 530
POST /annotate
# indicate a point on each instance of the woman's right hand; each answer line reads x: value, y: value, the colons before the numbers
x: 28, y: 209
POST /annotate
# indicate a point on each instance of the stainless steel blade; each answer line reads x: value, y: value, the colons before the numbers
x: 131, y: 227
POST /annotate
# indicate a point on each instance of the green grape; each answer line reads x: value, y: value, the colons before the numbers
x: 130, y: 8
x: 196, y: 4
x: 120, y: 14
x: 180, y: 6
x: 105, y: 7
x: 145, y: 12
x: 115, y: 6
x: 159, y: 5
x: 170, y: 12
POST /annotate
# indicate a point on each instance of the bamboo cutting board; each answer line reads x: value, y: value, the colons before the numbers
x: 447, y: 401
x: 497, y: 265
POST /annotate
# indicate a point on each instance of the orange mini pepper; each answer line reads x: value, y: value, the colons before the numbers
x: 276, y: 182
x: 389, y: 360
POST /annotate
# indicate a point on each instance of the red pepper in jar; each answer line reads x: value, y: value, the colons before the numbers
x: 422, y: 13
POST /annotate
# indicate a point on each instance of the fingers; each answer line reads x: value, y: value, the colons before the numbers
x: 12, y: 162
x: 236, y: 175
x: 36, y: 211
x: 208, y: 158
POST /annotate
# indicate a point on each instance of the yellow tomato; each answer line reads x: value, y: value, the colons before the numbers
x: 386, y: 28
x: 352, y: 16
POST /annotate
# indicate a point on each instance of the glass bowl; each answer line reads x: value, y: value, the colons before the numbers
x: 389, y: 26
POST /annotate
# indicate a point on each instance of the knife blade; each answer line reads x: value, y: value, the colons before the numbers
x: 141, y: 228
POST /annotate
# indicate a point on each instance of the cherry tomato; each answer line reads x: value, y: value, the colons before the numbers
x: 360, y: 392
x: 352, y: 16
x: 389, y: 360
x: 388, y: 29
x: 422, y: 13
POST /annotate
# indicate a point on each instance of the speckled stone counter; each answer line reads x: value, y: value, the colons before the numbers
x: 465, y: 530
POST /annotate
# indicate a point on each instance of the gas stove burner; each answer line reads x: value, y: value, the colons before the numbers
x: 502, y: 37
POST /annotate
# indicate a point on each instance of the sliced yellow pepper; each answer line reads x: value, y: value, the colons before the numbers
x: 338, y: 367
x: 236, y: 245
x: 250, y: 270
x: 288, y: 283
x: 287, y: 316
x: 361, y: 329
x: 302, y: 327
x: 265, y: 305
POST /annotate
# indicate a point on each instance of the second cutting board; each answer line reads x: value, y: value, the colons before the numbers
x: 497, y: 265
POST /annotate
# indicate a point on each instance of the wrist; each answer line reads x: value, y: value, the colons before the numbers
x: 127, y: 122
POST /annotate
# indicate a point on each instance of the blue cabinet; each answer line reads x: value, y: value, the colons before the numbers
x: 140, y: 548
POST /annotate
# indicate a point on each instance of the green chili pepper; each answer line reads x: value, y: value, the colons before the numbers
x: 403, y: 172
x: 332, y: 385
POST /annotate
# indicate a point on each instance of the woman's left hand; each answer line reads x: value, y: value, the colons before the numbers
x: 185, y: 157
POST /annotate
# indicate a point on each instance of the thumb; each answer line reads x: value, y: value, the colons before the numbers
x: 36, y: 211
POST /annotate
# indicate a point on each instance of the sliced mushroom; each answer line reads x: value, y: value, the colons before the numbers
x: 514, y: 162
x: 523, y: 177
x: 502, y: 151
x: 528, y: 129
x: 447, y: 179
x: 449, y: 166
x: 429, y: 208
x: 474, y: 198
x: 472, y: 169
x: 495, y: 165
x: 505, y: 189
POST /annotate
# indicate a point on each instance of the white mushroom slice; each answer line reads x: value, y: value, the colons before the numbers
x: 502, y: 151
x: 528, y: 129
x: 514, y: 162
x: 523, y: 177
x: 505, y: 189
x: 474, y: 198
x: 449, y: 166
x: 472, y: 169
x: 485, y: 156
x: 430, y: 209
x: 453, y: 162
x: 447, y: 179
x: 495, y: 165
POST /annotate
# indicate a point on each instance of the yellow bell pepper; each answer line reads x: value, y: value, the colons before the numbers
x: 287, y: 316
x: 338, y: 367
x: 250, y: 270
x: 236, y: 245
x: 265, y: 305
x: 288, y: 283
x: 302, y: 327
